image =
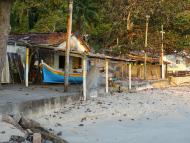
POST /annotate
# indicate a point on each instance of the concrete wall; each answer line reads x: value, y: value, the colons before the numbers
x: 33, y: 108
x: 179, y: 80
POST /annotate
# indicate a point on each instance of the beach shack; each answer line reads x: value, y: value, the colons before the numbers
x: 180, y: 64
x: 41, y: 59
x: 41, y: 55
x: 153, y: 67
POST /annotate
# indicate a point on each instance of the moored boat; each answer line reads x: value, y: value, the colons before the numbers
x: 51, y: 75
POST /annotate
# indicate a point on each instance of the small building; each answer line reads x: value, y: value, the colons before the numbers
x: 153, y: 67
x: 46, y: 47
x: 180, y: 64
x: 37, y: 51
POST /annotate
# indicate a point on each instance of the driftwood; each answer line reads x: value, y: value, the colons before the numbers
x: 8, y: 119
x: 35, y: 127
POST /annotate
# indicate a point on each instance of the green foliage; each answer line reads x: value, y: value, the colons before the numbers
x: 182, y: 23
x: 51, y: 23
x: 85, y: 13
x: 105, y: 21
x: 38, y: 16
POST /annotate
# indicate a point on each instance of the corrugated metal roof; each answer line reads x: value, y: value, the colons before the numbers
x: 45, y: 39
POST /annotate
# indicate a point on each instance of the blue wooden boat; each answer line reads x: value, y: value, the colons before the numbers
x: 51, y: 75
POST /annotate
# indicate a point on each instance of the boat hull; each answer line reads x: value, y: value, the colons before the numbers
x: 53, y: 76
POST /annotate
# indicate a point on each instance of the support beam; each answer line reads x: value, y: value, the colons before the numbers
x: 163, y: 71
x: 27, y: 67
x: 162, y: 53
x: 166, y: 71
x: 95, y: 62
x: 129, y: 76
x: 146, y: 45
x: 107, y: 76
x: 145, y: 65
x: 84, y: 67
x: 122, y: 70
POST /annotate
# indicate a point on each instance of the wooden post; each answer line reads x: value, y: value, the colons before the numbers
x: 95, y: 62
x: 27, y: 67
x: 166, y: 71
x: 107, y: 76
x: 69, y: 29
x: 37, y: 138
x: 162, y: 54
x: 84, y: 66
x: 122, y: 70
x: 146, y: 44
x: 145, y: 67
x: 129, y: 76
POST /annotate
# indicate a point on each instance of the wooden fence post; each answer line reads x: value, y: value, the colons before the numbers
x: 27, y: 67
x: 84, y: 77
x: 129, y: 76
x: 107, y: 76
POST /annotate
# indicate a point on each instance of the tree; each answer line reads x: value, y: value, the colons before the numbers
x: 182, y: 22
x: 38, y: 16
x: 67, y: 52
x: 4, y: 30
x: 105, y: 21
x: 127, y: 20
x: 85, y: 14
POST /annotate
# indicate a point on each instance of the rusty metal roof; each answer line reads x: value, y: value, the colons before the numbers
x: 140, y: 58
x: 45, y: 39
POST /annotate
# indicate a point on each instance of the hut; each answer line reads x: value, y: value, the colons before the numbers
x: 153, y: 67
x: 46, y: 47
x: 180, y: 64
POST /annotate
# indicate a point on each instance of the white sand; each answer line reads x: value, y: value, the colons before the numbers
x: 159, y: 116
x: 151, y: 116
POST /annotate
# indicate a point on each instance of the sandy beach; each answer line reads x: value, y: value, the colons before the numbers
x: 154, y: 115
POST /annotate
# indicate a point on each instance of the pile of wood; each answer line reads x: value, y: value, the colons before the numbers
x: 34, y: 132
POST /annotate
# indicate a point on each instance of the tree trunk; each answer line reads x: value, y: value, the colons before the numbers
x: 4, y: 30
x: 67, y: 52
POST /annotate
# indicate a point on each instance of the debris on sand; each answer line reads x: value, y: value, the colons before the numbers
x: 83, y: 119
x: 18, y: 139
x: 81, y: 125
x: 3, y: 132
x: 32, y: 129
